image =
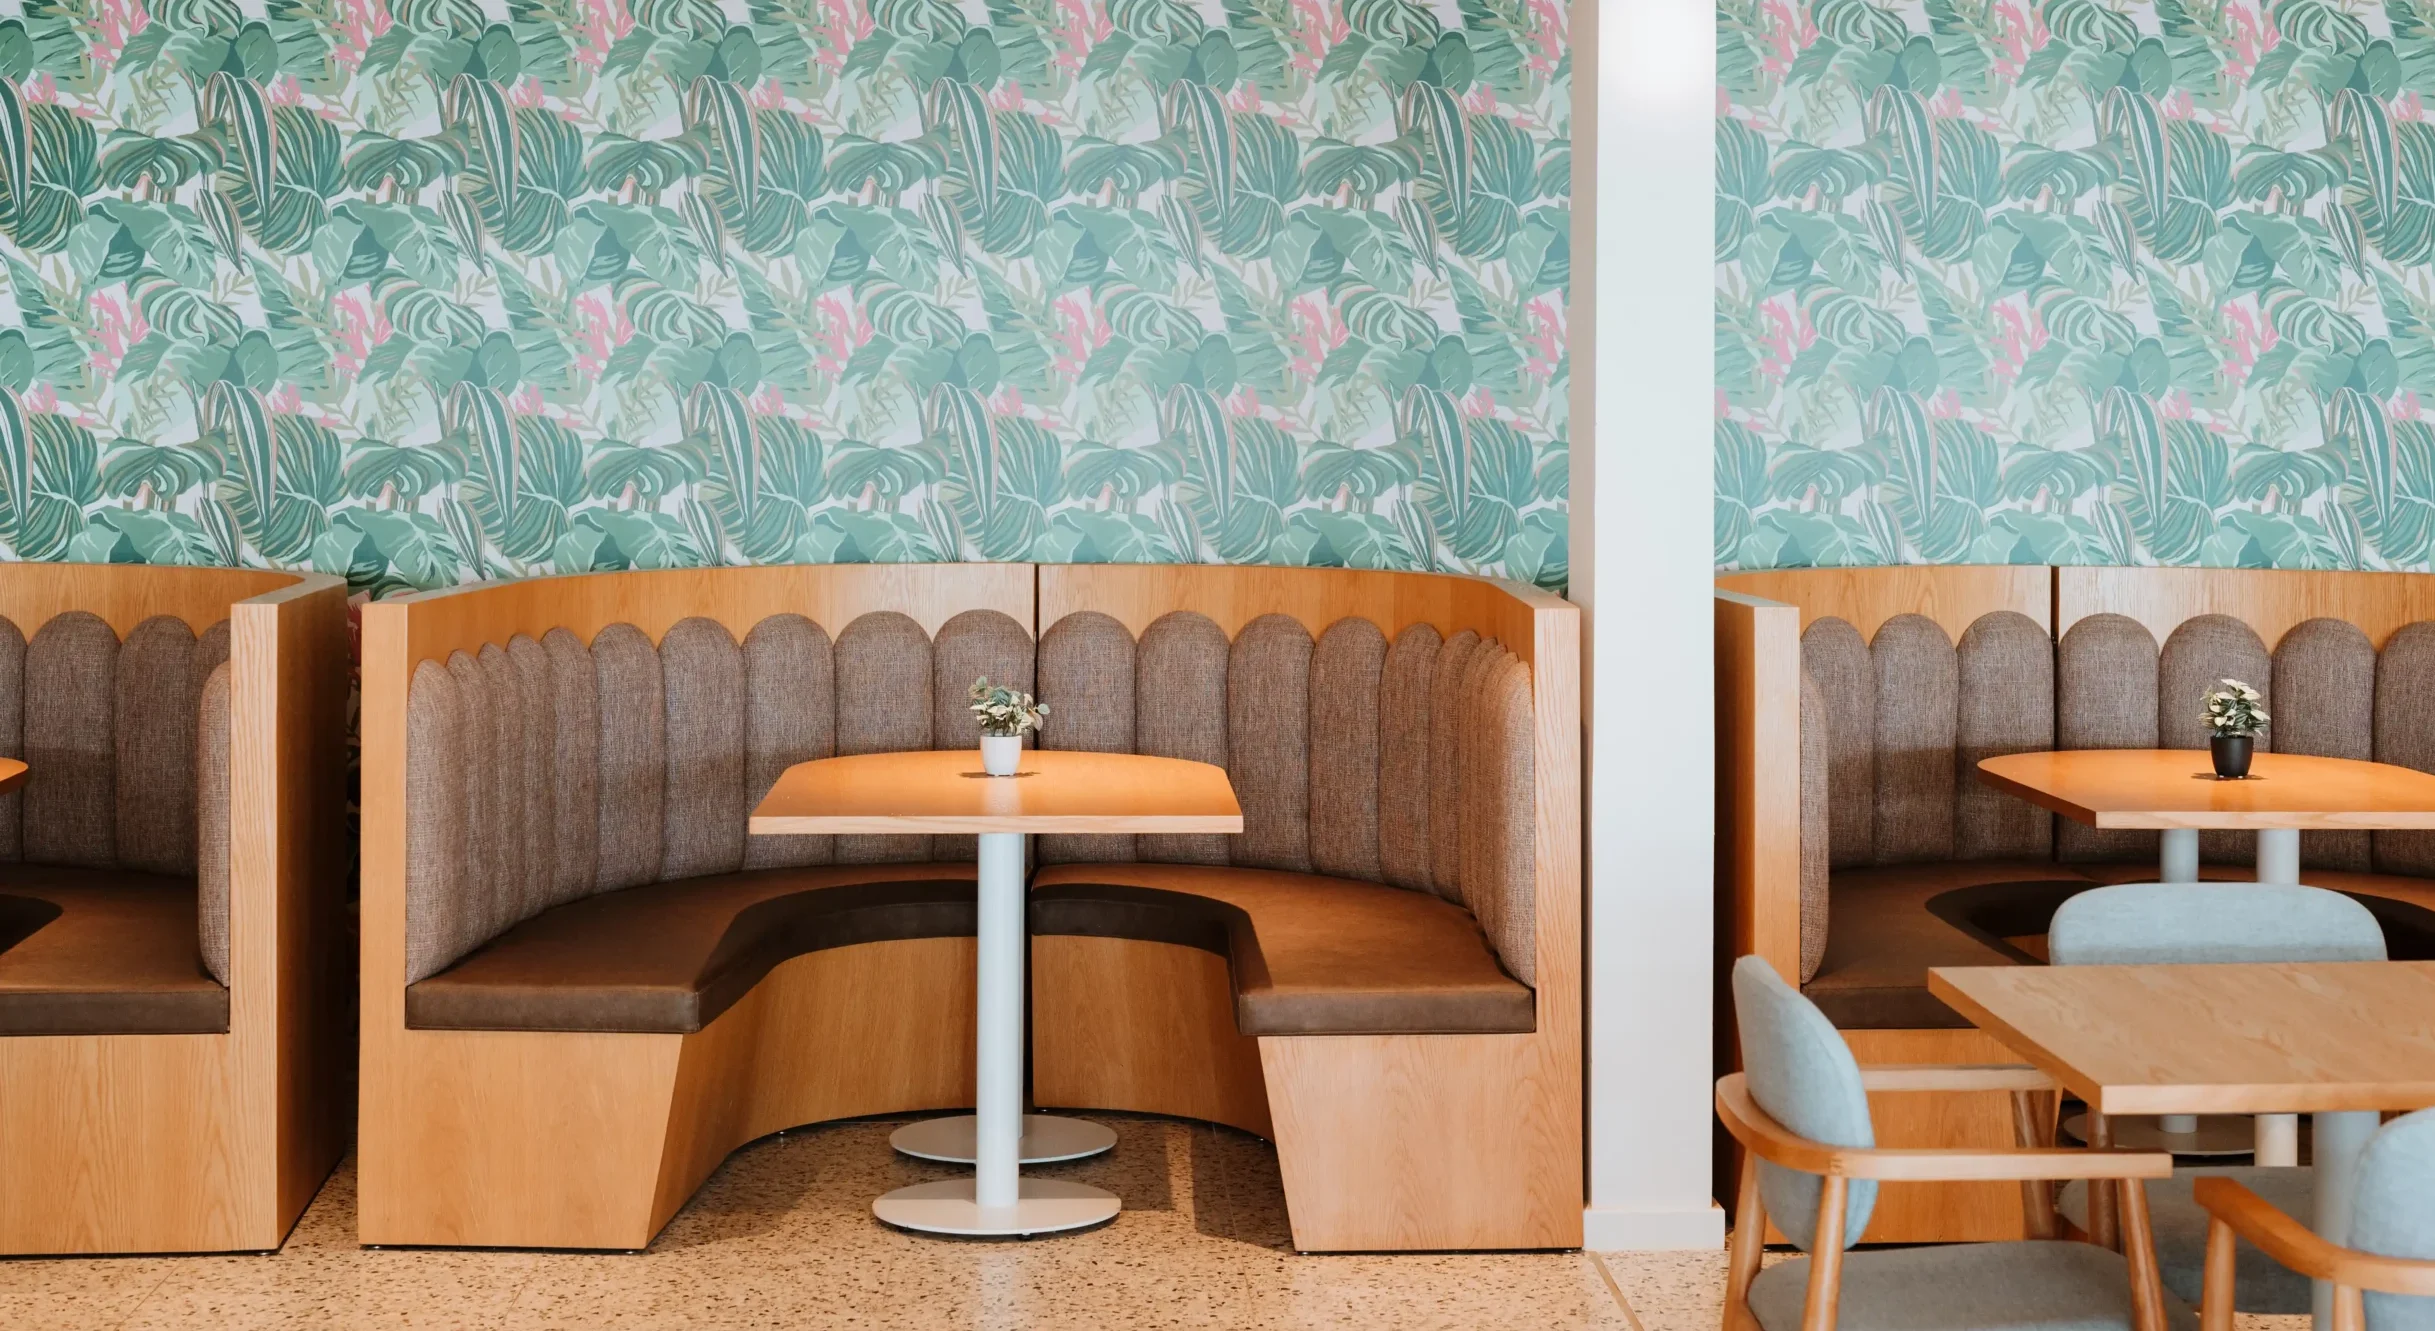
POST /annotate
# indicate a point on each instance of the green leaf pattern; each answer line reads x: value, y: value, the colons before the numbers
x: 422, y: 291
x: 2075, y: 282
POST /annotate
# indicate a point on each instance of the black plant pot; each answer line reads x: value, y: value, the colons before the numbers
x: 2231, y: 754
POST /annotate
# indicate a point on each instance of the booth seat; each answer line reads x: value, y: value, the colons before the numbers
x: 1863, y: 851
x: 585, y: 984
x: 171, y: 978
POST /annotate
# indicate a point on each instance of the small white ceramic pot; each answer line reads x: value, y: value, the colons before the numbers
x: 1001, y: 753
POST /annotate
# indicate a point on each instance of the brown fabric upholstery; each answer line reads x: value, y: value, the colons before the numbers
x: 1835, y: 656
x: 212, y: 792
x: 1179, y: 701
x: 444, y: 912
x: 1310, y: 955
x: 71, y: 799
x: 1445, y: 763
x: 575, y: 818
x: 1500, y: 800
x: 1875, y: 974
x: 703, y: 672
x: 971, y: 645
x: 633, y: 757
x: 539, y: 783
x: 155, y: 711
x: 1345, y: 670
x: 1917, y: 680
x: 2005, y: 703
x: 12, y: 736
x: 670, y: 957
x: 2405, y: 699
x: 1268, y: 742
x: 1814, y: 827
x: 509, y: 722
x: 2324, y: 704
x: 1405, y: 679
x: 2105, y: 698
x: 790, y: 716
x: 1086, y: 678
x: 117, y: 958
x: 883, y: 706
x: 2200, y: 651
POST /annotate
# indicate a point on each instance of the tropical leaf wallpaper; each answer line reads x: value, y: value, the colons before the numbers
x: 2075, y: 282
x: 427, y: 291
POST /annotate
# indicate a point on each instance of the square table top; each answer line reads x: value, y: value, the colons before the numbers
x: 2173, y: 788
x: 2262, y: 1038
x: 946, y: 791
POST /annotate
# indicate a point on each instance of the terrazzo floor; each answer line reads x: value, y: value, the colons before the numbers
x: 782, y: 1237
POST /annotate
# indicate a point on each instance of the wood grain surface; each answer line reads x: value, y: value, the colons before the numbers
x: 2177, y: 788
x: 945, y: 790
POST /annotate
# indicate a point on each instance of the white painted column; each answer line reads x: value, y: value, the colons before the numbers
x: 998, y: 1095
x: 1643, y: 422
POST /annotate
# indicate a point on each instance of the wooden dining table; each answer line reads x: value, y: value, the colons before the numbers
x: 946, y: 791
x: 12, y: 774
x: 2340, y: 1040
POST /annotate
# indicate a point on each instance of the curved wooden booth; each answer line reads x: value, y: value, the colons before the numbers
x: 173, y: 958
x: 1856, y: 848
x: 576, y: 1005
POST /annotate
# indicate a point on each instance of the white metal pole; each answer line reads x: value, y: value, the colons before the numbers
x: 2180, y: 859
x: 2278, y: 854
x: 2340, y: 1139
x: 998, y: 1095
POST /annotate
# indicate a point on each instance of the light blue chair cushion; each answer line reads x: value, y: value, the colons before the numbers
x: 1803, y: 1074
x: 2260, y: 1283
x: 2393, y: 1213
x: 2048, y: 1286
x: 2173, y: 923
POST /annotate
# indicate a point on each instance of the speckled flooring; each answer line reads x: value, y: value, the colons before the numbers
x: 782, y: 1237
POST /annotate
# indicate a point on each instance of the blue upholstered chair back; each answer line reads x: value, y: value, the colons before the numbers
x: 2169, y: 923
x: 2393, y: 1213
x: 1803, y: 1074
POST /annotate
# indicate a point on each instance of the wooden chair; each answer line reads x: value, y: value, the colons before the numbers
x: 2384, y: 1279
x: 1796, y: 1063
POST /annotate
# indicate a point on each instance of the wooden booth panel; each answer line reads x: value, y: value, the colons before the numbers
x: 2270, y: 601
x: 1951, y: 594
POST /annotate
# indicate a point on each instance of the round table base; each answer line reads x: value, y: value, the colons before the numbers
x: 1047, y: 1139
x: 1047, y: 1206
x: 2218, y: 1134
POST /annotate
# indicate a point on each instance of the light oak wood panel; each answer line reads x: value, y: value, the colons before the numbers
x: 1953, y: 595
x: 1973, y: 1120
x: 187, y: 1143
x: 1426, y: 1142
x: 1051, y: 791
x: 2177, y: 788
x: 1147, y: 1028
x: 1758, y: 783
x: 126, y: 595
x: 2270, y: 601
x: 2262, y: 1038
x: 832, y: 595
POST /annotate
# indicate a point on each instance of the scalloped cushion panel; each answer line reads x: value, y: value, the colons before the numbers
x: 1404, y: 681
x: 1086, y: 678
x: 702, y: 670
x: 2004, y: 703
x: 12, y: 736
x: 2105, y: 698
x: 1445, y: 771
x: 211, y: 808
x: 971, y: 645
x: 633, y: 757
x: 2405, y: 699
x: 2324, y: 704
x: 2200, y: 651
x: 1345, y: 673
x: 157, y: 697
x: 1916, y: 680
x: 1834, y: 654
x: 790, y: 716
x: 529, y: 664
x: 509, y: 714
x: 877, y: 656
x: 71, y: 797
x: 1499, y: 831
x: 1268, y: 742
x: 1179, y: 701
x: 1815, y: 873
x: 575, y: 757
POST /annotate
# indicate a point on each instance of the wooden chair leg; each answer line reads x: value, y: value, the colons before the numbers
x: 2215, y: 1296
x: 2032, y: 1127
x: 2350, y: 1309
x: 1826, y: 1257
x: 2102, y: 1216
x: 2139, y: 1246
x: 1749, y: 1243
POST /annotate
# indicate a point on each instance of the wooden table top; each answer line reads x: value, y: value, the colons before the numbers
x: 12, y: 774
x: 2177, y: 788
x: 946, y: 791
x: 2274, y: 1038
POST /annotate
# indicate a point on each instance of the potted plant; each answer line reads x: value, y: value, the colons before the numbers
x: 2234, y: 719
x: 1005, y: 714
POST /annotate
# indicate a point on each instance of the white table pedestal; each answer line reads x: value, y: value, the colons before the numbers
x: 997, y: 1200
x: 2339, y: 1140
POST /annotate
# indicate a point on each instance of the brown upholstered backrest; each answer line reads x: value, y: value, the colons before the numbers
x: 1407, y: 763
x: 540, y: 772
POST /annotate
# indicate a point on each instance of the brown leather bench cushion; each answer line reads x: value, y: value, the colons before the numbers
x: 102, y: 952
x: 1310, y: 955
x: 1884, y: 938
x: 670, y: 957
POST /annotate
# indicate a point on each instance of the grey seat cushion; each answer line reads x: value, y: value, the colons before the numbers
x: 2047, y: 1285
x: 2261, y: 1284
